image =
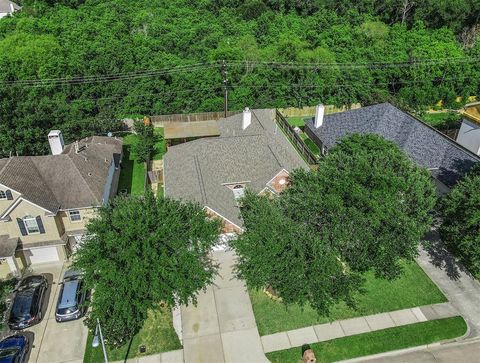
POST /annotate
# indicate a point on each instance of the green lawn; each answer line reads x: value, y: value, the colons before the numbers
x: 414, y: 288
x: 132, y: 176
x: 160, y: 146
x: 378, y: 341
x: 442, y: 120
x: 157, y: 335
x: 296, y: 121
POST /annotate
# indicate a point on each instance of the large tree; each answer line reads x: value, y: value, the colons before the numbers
x: 366, y: 207
x: 140, y: 251
x: 290, y: 258
x: 368, y: 200
x: 460, y: 229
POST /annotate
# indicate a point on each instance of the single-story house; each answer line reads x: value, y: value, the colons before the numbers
x: 447, y: 160
x: 250, y: 152
x: 45, y: 201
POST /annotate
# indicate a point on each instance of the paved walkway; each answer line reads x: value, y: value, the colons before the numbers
x: 363, y: 324
x: 460, y: 288
x: 175, y: 356
x: 222, y: 327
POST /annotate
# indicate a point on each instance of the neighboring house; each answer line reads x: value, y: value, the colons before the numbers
x: 251, y: 152
x: 45, y: 201
x: 8, y: 7
x: 447, y: 160
x: 469, y: 133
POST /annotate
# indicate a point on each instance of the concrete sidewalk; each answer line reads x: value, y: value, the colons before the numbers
x: 460, y: 288
x: 222, y: 327
x: 174, y: 356
x: 354, y: 326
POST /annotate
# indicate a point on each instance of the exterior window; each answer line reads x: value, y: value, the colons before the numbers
x: 74, y: 215
x: 31, y: 225
x: 238, y: 191
x: 3, y: 195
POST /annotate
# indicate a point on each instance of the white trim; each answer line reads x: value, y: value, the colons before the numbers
x: 30, y: 218
x: 17, y: 202
x: 218, y: 214
x: 235, y: 183
x: 79, y: 208
x: 285, y: 170
x: 78, y: 214
x: 269, y: 189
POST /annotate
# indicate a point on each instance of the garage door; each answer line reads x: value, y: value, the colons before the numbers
x: 42, y: 255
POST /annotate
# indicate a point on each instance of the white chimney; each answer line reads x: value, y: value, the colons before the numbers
x: 12, y: 9
x: 55, y: 139
x: 319, y: 112
x: 247, y: 118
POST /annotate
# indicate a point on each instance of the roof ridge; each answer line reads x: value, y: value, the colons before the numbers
x: 81, y: 176
x: 43, y: 180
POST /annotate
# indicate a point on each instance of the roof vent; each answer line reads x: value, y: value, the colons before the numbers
x: 246, y: 118
x: 319, y: 113
x: 89, y: 174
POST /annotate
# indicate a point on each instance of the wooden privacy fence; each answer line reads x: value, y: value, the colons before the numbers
x: 295, y: 139
x: 310, y: 110
x: 160, y: 120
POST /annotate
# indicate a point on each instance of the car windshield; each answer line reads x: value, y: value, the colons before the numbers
x: 22, y: 304
x: 68, y: 303
x: 8, y: 352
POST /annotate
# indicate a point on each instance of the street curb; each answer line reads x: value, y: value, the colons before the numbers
x: 460, y: 340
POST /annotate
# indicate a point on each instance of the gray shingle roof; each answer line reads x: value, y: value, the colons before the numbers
x: 66, y: 181
x: 197, y: 170
x: 448, y: 160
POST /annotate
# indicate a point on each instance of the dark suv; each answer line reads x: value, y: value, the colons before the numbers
x: 70, y: 304
x: 27, y: 303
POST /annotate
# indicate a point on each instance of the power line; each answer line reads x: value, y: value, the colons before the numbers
x: 207, y: 65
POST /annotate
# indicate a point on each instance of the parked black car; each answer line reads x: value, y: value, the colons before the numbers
x: 27, y: 303
x: 70, y: 304
x: 14, y: 349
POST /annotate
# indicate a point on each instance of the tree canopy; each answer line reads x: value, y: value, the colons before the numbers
x: 366, y: 207
x: 460, y: 228
x: 144, y: 145
x: 140, y: 251
x: 119, y: 58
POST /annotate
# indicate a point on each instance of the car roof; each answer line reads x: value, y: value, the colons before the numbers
x: 13, y: 341
x: 69, y: 294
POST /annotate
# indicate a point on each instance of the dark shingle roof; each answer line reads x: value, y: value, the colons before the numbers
x: 429, y: 148
x: 197, y: 170
x: 66, y: 181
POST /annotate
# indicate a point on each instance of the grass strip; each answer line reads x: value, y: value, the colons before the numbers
x: 378, y: 341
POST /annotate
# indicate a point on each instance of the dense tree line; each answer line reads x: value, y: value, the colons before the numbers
x: 277, y: 52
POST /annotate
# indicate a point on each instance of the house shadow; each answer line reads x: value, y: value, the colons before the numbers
x: 440, y: 257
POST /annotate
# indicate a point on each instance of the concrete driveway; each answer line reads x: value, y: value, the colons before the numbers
x: 56, y: 342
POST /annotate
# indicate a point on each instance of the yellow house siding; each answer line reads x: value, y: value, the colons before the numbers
x: 5, y: 203
x: 24, y: 209
x: 86, y: 214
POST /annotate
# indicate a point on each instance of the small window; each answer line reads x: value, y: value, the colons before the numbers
x: 74, y: 215
x: 3, y: 195
x: 31, y: 225
x: 238, y: 191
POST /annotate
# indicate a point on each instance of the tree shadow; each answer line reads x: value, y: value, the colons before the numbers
x: 440, y: 257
